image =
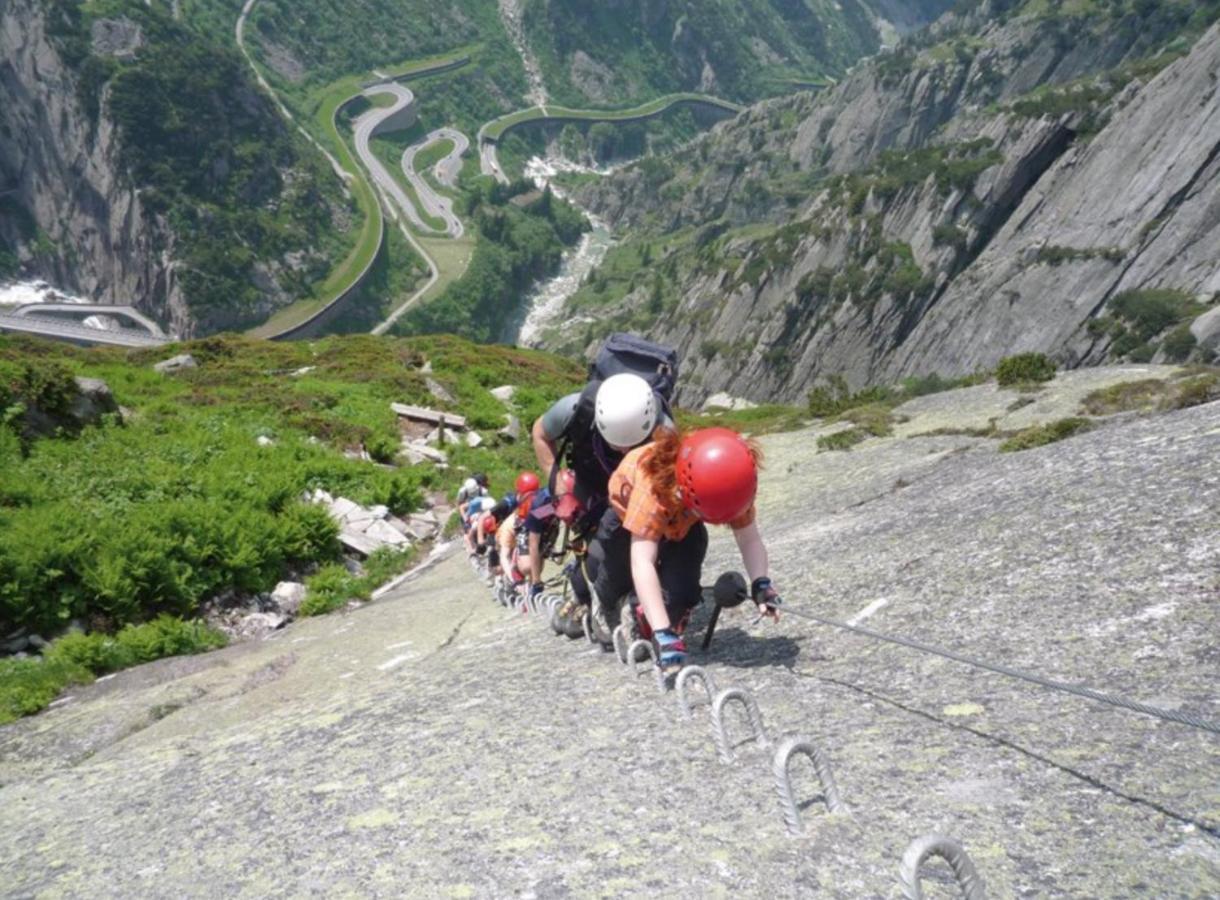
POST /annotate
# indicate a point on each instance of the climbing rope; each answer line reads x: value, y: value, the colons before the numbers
x: 1168, y: 715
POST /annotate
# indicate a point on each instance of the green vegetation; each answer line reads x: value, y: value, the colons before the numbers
x: 127, y: 528
x: 495, y: 130
x: 1023, y: 369
x: 85, y: 534
x: 1144, y: 394
x: 950, y: 166
x: 1054, y: 255
x: 237, y: 186
x: 28, y: 685
x: 1041, y: 435
x: 333, y: 586
x: 1137, y: 319
x: 767, y: 418
x: 522, y: 239
x: 1198, y: 385
x: 641, y: 50
x: 842, y: 440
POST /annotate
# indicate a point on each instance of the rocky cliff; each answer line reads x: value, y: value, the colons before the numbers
x: 140, y: 166
x: 619, y: 50
x: 1004, y: 183
x: 69, y: 214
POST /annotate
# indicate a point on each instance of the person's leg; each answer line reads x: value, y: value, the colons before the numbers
x: 681, y: 568
x: 609, y: 567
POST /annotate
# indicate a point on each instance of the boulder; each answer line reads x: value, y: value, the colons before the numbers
x: 264, y: 441
x: 504, y: 393
x: 341, y: 508
x: 724, y: 400
x: 259, y: 625
x: 386, y: 534
x: 92, y: 401
x: 437, y: 390
x: 1206, y: 330
x: 473, y: 439
x: 176, y: 363
x: 288, y: 596
x: 511, y: 431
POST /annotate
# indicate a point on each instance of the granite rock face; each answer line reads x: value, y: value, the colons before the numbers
x: 1060, y: 214
x: 435, y: 740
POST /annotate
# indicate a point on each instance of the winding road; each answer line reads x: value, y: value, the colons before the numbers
x: 391, y: 195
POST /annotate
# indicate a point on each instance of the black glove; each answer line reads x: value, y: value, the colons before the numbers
x: 765, y: 594
x: 536, y: 589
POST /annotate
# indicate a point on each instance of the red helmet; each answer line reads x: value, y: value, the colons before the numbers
x: 526, y: 482
x: 489, y: 523
x: 566, y: 482
x: 717, y: 474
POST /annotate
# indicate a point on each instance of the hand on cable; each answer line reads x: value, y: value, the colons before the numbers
x: 766, y: 597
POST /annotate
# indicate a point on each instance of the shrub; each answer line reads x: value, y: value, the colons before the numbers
x: 873, y: 418
x: 1024, y: 368
x: 333, y: 586
x: 28, y: 685
x: 842, y: 440
x: 1040, y: 435
x: 1124, y: 397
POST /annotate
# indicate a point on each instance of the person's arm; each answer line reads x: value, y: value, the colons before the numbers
x: 544, y: 447
x: 535, y: 558
x: 648, y: 582
x: 754, y: 555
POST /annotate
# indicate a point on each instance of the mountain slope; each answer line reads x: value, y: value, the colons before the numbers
x: 737, y: 50
x: 947, y: 205
x: 148, y: 169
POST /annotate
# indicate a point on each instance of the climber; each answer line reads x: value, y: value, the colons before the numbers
x: 654, y: 535
x: 472, y: 488
x: 596, y: 428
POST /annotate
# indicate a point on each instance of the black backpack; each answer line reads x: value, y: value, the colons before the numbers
x: 655, y: 363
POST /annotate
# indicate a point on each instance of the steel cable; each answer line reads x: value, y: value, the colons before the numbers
x: 1168, y: 715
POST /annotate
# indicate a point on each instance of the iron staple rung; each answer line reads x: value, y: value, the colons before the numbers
x: 1168, y: 715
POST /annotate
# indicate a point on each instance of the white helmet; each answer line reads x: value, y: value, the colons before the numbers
x: 626, y: 410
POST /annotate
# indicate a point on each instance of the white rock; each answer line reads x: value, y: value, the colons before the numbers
x: 288, y: 596
x: 437, y: 390
x: 431, y: 453
x: 257, y: 625
x: 511, y: 431
x: 727, y: 401
x: 386, y: 533
x: 473, y: 439
x: 379, y: 512
x: 341, y: 508
x: 264, y: 441
x: 320, y: 496
x: 504, y: 393
x: 174, y: 363
x: 1206, y: 329
x: 303, y: 371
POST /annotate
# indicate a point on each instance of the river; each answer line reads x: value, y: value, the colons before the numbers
x: 546, y: 299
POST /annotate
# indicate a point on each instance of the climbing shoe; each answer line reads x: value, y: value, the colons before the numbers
x: 671, y: 650
x: 601, y: 629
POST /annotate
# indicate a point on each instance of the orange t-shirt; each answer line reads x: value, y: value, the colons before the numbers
x: 640, y: 511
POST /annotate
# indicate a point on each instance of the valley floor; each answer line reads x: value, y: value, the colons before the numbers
x: 433, y: 744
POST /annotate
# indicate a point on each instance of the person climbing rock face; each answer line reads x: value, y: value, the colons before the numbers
x: 621, y: 414
x: 654, y: 536
x: 472, y: 489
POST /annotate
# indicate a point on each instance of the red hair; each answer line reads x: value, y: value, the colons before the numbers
x: 660, y: 464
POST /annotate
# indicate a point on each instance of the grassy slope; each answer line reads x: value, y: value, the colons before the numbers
x: 495, y: 130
